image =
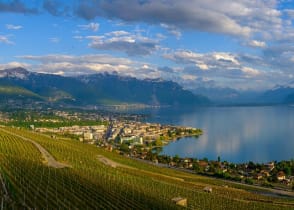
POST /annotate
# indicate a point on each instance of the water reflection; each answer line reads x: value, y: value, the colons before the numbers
x: 236, y: 134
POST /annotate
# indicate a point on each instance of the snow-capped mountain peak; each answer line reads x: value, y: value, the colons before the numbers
x: 19, y: 73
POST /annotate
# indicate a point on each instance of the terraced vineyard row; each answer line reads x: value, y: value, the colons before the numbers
x: 90, y: 184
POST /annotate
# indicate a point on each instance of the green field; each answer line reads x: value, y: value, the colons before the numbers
x: 27, y: 182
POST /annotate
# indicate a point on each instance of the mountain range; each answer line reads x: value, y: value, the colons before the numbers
x: 20, y: 86
x: 95, y: 89
x: 280, y: 94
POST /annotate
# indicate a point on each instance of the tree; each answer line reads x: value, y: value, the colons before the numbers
x: 124, y: 147
x: 251, y: 165
x: 158, y: 142
x: 169, y: 133
x: 176, y: 158
x: 287, y: 170
x: 196, y: 167
x: 248, y: 181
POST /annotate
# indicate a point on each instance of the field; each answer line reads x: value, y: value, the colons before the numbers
x: 96, y: 179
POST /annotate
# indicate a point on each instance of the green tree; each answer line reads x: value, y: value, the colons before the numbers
x: 196, y: 167
x: 176, y: 158
x: 124, y: 147
x: 287, y: 170
x: 158, y: 142
x: 248, y: 181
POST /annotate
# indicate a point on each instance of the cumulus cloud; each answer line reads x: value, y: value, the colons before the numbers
x: 91, y: 26
x: 89, y: 64
x: 13, y: 27
x: 222, y: 69
x: 131, y: 44
x: 217, y: 66
x: 236, y: 70
x: 242, y: 18
x: 205, y: 61
x: 246, y: 19
x: 197, y: 15
x: 73, y: 65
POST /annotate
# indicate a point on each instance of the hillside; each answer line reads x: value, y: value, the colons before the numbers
x: 10, y: 91
x: 92, y: 178
x: 100, y: 89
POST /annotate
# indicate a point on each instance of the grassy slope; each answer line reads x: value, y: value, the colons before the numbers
x: 13, y: 90
x: 91, y: 184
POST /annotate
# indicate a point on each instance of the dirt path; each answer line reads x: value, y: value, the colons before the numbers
x: 114, y: 164
x: 49, y: 159
x: 111, y: 163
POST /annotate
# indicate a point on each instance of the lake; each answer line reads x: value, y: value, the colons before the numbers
x: 236, y: 134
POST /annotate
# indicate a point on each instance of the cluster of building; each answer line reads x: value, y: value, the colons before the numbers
x: 78, y: 116
x: 138, y: 132
x: 89, y: 134
x: 121, y: 131
x: 272, y: 172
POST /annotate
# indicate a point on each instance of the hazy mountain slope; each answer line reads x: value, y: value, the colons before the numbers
x: 279, y: 94
x: 100, y: 89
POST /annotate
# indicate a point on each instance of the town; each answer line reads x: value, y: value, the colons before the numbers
x: 116, y: 133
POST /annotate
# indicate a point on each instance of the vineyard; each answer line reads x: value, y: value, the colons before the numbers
x: 96, y: 179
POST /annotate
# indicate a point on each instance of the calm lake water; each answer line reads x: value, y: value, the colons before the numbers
x: 236, y: 134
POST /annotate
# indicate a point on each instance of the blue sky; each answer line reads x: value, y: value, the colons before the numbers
x: 243, y: 44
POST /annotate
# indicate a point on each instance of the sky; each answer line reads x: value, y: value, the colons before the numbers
x: 241, y: 44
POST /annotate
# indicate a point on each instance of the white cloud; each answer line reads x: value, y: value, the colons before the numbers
x: 205, y: 61
x: 250, y: 71
x: 5, y: 40
x: 14, y: 65
x: 13, y: 27
x: 131, y: 44
x: 91, y: 26
x: 202, y: 66
x: 217, y: 66
x: 118, y: 33
x: 226, y: 57
x: 86, y: 64
x: 256, y: 43
x: 189, y: 77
